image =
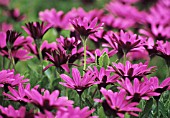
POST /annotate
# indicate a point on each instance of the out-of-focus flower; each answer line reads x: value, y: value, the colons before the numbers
x: 128, y: 1
x: 151, y: 47
x: 163, y: 50
x: 12, y: 45
x: 44, y: 48
x: 104, y: 77
x: 78, y: 83
x: 124, y: 42
x: 68, y: 43
x: 116, y: 104
x: 157, y: 31
x: 75, y: 54
x: 84, y: 28
x: 48, y: 101
x: 137, y: 91
x: 36, y: 30
x: 138, y: 54
x: 4, y: 2
x: 10, y: 112
x: 56, y: 19
x: 5, y: 27
x: 46, y: 114
x: 16, y: 15
x: 8, y: 78
x: 18, y: 95
x: 132, y: 71
x: 115, y: 7
x: 98, y: 36
x: 76, y: 113
x: 157, y: 22
x: 80, y: 12
x: 111, y: 22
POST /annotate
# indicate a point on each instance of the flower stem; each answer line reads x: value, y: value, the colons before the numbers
x: 84, y: 40
x: 124, y: 58
x: 168, y: 66
x: 11, y: 59
x: 157, y: 108
x: 38, y: 44
x: 80, y: 101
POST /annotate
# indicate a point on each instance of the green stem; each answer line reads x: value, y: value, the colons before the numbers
x: 11, y: 59
x: 157, y: 108
x: 38, y: 43
x: 124, y: 58
x: 85, y: 56
x: 84, y: 41
x: 168, y: 72
x: 168, y: 66
x: 94, y: 92
x: 80, y: 101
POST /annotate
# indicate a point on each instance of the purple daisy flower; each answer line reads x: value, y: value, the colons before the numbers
x: 139, y: 90
x: 78, y: 83
x: 132, y: 71
x: 8, y: 78
x: 36, y: 30
x: 10, y: 112
x: 83, y: 27
x: 48, y: 101
x: 124, y: 42
x: 104, y: 77
x: 18, y: 95
x: 116, y: 105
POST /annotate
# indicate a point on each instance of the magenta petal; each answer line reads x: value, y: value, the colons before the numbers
x: 48, y: 67
x: 3, y: 39
x: 65, y: 67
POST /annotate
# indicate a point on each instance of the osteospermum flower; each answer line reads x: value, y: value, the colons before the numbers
x: 68, y: 43
x: 124, y: 42
x: 15, y: 15
x: 85, y: 27
x: 56, y: 19
x: 18, y: 95
x: 78, y: 83
x: 112, y: 22
x: 8, y: 78
x: 163, y: 50
x: 137, y: 91
x: 104, y: 77
x: 44, y: 48
x: 76, y: 113
x: 159, y: 88
x: 132, y: 71
x: 10, y: 112
x: 36, y: 30
x: 12, y: 45
x: 5, y: 26
x: 48, y: 101
x: 116, y: 104
x: 4, y: 2
x: 59, y: 58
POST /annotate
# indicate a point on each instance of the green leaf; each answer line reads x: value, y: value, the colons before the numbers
x: 101, y: 113
x: 127, y: 115
x: 147, y: 109
x: 162, y: 109
x: 101, y: 61
x: 104, y: 60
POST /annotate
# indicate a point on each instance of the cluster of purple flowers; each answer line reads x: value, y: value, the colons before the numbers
x: 121, y: 35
